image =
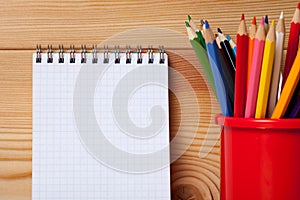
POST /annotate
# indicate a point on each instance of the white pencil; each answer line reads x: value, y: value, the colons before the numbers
x: 273, y: 95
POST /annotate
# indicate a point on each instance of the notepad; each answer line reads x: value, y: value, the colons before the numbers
x: 100, y: 130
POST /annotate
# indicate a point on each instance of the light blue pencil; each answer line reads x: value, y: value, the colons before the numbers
x: 216, y: 67
x: 232, y: 44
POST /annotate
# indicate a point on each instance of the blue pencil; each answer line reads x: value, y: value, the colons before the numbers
x: 266, y: 24
x: 216, y: 67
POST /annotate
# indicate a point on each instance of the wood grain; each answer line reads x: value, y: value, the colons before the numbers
x: 25, y: 23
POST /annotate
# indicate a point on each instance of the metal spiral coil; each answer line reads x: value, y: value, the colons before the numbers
x: 83, y: 51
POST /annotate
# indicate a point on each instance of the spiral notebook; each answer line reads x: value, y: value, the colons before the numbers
x: 100, y: 124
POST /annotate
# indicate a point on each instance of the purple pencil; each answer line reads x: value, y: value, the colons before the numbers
x: 296, y: 109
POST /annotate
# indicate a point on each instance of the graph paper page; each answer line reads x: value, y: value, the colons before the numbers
x: 100, y: 131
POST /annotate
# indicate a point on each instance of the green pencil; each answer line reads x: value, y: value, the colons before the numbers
x: 202, y: 55
x: 198, y: 32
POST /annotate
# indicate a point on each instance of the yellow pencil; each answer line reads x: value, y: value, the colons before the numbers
x: 266, y: 72
x: 288, y: 89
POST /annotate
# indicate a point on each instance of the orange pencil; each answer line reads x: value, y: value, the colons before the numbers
x: 250, y: 48
x: 240, y: 86
x: 288, y: 89
x: 292, y: 44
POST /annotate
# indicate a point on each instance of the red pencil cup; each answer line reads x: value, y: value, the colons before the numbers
x: 260, y: 159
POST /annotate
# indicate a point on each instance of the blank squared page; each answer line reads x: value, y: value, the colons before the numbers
x: 100, y: 130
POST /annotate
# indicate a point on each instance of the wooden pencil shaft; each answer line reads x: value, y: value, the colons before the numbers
x: 252, y: 31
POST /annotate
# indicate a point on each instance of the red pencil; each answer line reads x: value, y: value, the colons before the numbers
x: 240, y: 87
x: 292, y: 44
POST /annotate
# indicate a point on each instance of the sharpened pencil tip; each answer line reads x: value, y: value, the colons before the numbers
x: 206, y: 24
x: 262, y: 21
x: 242, y: 17
x: 187, y: 24
x: 202, y: 22
x: 219, y: 30
x: 298, y: 6
x: 189, y: 18
x: 281, y: 15
x: 266, y: 19
x: 254, y: 20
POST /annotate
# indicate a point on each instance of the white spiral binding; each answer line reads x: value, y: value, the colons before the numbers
x: 94, y: 51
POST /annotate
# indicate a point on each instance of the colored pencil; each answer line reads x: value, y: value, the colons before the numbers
x: 266, y: 73
x: 201, y: 55
x: 227, y: 72
x: 246, y: 77
x: 293, y: 101
x: 228, y: 52
x: 291, y: 53
x: 266, y: 24
x: 227, y: 63
x: 292, y: 43
x: 191, y: 32
x: 213, y: 55
x: 252, y: 32
x: 296, y: 109
x: 218, y: 41
x: 241, y: 70
x: 258, y: 51
x: 226, y: 69
x: 198, y: 32
x: 273, y: 96
x: 288, y: 89
x: 202, y: 23
x: 232, y: 44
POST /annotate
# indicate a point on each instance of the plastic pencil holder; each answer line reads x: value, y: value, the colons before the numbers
x: 260, y: 158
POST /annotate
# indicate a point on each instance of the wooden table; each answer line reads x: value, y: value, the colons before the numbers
x: 25, y: 23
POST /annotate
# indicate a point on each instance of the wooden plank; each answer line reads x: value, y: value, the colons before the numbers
x: 27, y: 22
x: 24, y: 23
